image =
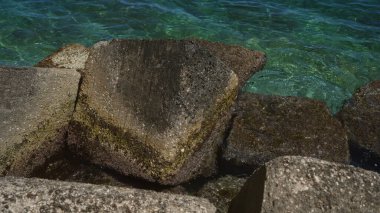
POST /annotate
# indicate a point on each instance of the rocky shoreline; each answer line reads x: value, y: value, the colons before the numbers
x: 135, y: 115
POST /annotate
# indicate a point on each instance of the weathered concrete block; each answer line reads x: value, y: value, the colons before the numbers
x: 301, y: 184
x: 153, y: 109
x: 266, y: 127
x: 38, y: 195
x: 361, y: 117
x: 36, y: 105
x: 73, y: 56
x: 242, y: 61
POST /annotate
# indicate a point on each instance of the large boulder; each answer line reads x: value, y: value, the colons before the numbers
x: 361, y: 118
x: 266, y: 127
x: 301, y: 184
x: 153, y: 109
x: 38, y: 195
x: 36, y: 105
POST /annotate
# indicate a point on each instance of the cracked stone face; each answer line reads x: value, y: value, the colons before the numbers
x: 36, y: 105
x: 153, y: 109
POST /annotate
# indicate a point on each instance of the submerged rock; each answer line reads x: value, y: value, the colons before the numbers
x: 221, y: 191
x: 361, y: 118
x: 242, y: 61
x: 73, y: 56
x: 35, y: 195
x: 36, y: 105
x: 266, y: 127
x: 300, y: 184
x: 153, y: 109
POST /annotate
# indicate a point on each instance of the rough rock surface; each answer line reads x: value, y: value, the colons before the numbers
x: 266, y: 127
x: 361, y: 117
x: 73, y: 56
x: 301, y: 184
x: 36, y: 105
x: 153, y: 109
x: 221, y: 191
x: 242, y: 61
x: 38, y: 195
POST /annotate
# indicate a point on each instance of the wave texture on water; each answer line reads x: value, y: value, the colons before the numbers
x: 318, y: 49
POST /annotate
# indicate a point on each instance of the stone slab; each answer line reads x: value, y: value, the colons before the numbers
x: 73, y: 56
x: 266, y: 127
x: 39, y: 195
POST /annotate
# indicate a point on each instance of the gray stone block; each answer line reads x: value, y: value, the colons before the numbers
x: 266, y: 127
x: 300, y: 184
x: 153, y: 109
x: 36, y: 105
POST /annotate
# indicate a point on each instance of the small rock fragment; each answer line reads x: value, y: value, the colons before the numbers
x: 73, y: 56
x: 221, y: 191
x: 242, y: 61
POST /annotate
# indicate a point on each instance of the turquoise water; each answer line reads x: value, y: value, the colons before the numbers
x: 319, y: 49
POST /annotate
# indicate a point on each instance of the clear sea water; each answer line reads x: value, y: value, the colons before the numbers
x: 322, y: 49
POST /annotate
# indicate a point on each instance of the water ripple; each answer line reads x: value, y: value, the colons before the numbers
x: 322, y: 49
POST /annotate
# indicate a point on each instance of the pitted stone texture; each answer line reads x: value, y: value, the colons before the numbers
x: 266, y: 127
x: 301, y: 184
x: 153, y: 109
x: 221, y: 191
x: 242, y: 61
x: 73, y: 56
x: 38, y: 195
x: 36, y: 105
x: 361, y: 117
